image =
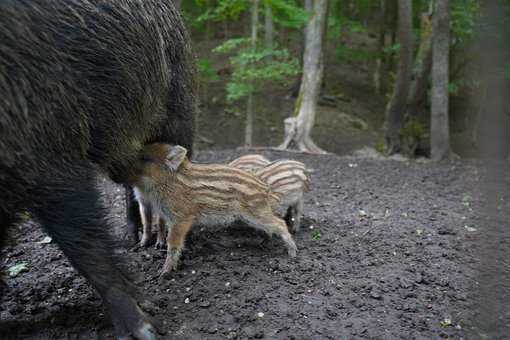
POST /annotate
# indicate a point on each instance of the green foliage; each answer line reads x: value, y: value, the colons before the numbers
x: 231, y: 44
x: 413, y: 129
x: 464, y: 18
x: 222, y: 10
x: 455, y: 86
x: 252, y: 68
x: 392, y: 49
x: 206, y: 71
x: 506, y: 71
x: 380, y: 146
x: 344, y: 53
x: 288, y: 13
x: 316, y: 235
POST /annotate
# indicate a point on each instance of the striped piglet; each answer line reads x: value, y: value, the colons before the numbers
x: 250, y: 163
x: 286, y: 177
x: 186, y: 193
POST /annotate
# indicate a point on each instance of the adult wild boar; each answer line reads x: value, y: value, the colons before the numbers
x: 84, y: 85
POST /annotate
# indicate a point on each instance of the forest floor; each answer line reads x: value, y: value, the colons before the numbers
x: 388, y: 250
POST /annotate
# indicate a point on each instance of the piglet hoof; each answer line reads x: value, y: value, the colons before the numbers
x: 160, y: 245
x: 292, y: 252
x: 291, y: 248
x: 145, y: 242
x: 165, y: 275
x: 131, y: 240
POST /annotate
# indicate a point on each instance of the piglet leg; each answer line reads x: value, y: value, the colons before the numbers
x: 175, y: 242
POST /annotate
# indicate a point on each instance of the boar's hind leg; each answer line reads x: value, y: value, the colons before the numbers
x: 6, y: 220
x: 67, y: 204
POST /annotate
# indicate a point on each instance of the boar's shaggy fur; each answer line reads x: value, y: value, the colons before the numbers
x: 84, y: 85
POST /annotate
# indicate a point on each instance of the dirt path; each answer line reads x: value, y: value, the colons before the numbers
x: 384, y: 254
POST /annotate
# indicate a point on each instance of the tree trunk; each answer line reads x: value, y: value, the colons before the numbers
x: 177, y: 4
x: 397, y: 104
x: 268, y: 27
x: 248, y: 134
x: 439, y: 125
x: 298, y: 129
x: 422, y: 67
x: 417, y: 99
x: 380, y: 46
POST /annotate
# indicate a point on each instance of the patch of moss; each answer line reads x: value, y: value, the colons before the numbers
x: 414, y: 129
x: 380, y: 146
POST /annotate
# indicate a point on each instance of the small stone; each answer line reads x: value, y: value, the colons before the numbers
x: 45, y: 240
x: 205, y: 304
x: 250, y: 331
x: 186, y: 300
x: 227, y: 284
x: 375, y: 295
x: 405, y: 283
x: 260, y: 314
x: 470, y: 229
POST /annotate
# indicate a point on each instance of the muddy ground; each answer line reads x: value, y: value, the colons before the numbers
x: 388, y: 250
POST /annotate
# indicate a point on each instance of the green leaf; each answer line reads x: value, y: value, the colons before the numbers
x: 206, y: 71
x: 45, y: 240
x: 446, y: 323
x: 17, y: 269
x: 231, y: 44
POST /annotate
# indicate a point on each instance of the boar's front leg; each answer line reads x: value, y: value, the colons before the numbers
x: 68, y: 206
x: 175, y: 242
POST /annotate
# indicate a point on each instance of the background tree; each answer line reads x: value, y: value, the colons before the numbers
x: 417, y: 100
x: 439, y: 124
x: 397, y: 105
x: 268, y: 26
x: 361, y: 50
x: 381, y: 39
x: 248, y: 136
x: 298, y: 129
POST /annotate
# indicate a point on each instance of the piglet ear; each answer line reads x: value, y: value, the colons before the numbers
x: 176, y: 154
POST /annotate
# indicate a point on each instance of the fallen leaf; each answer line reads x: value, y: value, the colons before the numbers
x: 470, y: 229
x: 17, y: 269
x: 45, y: 240
x: 446, y: 323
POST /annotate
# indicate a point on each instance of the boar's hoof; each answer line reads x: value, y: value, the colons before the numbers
x: 129, y: 321
x: 145, y: 332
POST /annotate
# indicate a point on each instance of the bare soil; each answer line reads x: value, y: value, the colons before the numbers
x: 388, y: 250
